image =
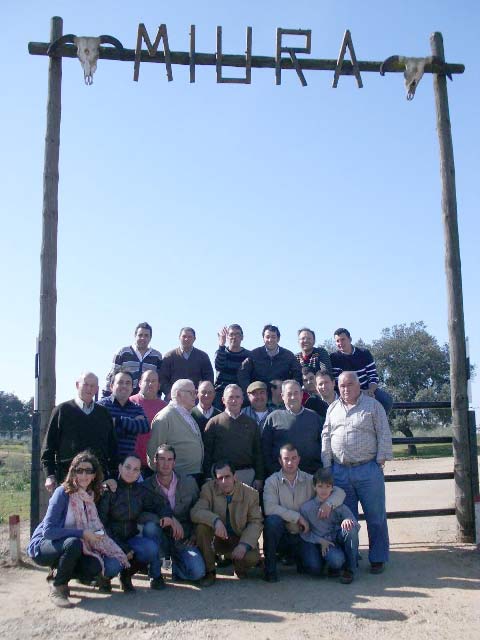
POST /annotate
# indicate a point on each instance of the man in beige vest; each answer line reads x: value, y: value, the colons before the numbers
x: 174, y: 425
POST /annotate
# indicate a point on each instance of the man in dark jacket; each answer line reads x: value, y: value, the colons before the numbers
x: 269, y: 362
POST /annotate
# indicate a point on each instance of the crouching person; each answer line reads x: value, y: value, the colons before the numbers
x: 331, y: 541
x: 70, y: 539
x: 120, y: 511
x: 285, y: 492
x: 182, y: 493
x: 229, y: 522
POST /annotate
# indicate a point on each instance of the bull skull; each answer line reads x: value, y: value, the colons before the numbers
x: 414, y: 70
x: 88, y: 50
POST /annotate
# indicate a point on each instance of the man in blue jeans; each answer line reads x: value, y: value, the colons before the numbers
x: 356, y: 440
x: 182, y: 493
x: 284, y: 493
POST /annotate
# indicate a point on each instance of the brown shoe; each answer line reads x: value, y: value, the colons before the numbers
x: 377, y: 567
x: 59, y: 596
x: 346, y: 577
x: 208, y: 579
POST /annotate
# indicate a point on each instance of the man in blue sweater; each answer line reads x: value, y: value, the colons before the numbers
x: 129, y: 418
x: 296, y: 425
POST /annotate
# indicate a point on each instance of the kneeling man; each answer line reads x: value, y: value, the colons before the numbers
x: 229, y: 522
x: 285, y: 492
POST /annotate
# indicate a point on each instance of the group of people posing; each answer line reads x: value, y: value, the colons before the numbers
x: 280, y: 443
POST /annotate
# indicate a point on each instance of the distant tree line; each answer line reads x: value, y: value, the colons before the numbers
x: 15, y: 414
x: 413, y: 367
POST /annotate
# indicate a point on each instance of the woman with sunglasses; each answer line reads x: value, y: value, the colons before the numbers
x: 71, y: 538
x: 120, y: 510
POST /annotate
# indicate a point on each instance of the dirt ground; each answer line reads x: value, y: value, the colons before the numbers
x: 431, y: 589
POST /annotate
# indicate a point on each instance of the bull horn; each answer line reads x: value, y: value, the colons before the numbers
x: 111, y: 40
x: 388, y: 62
x: 59, y: 42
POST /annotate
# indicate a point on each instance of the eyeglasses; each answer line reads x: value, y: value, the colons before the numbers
x: 192, y: 392
x: 81, y: 471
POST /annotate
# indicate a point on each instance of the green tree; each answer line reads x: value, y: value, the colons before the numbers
x: 414, y: 367
x: 15, y: 414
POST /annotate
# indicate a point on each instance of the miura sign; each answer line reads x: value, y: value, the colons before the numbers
x: 289, y: 43
x: 281, y: 49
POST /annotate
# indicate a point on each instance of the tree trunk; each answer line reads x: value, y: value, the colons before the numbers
x: 405, y: 429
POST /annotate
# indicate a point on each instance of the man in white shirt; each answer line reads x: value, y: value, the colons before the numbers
x: 204, y: 409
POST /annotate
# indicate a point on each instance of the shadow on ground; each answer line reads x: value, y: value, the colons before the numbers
x: 411, y: 574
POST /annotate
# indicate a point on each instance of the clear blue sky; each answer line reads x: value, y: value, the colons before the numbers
x: 204, y: 204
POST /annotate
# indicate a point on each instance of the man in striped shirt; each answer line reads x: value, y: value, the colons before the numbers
x: 128, y: 418
x: 350, y: 358
x: 228, y: 358
x: 136, y: 359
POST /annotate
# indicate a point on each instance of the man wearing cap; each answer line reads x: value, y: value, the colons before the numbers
x: 257, y: 410
x: 235, y: 437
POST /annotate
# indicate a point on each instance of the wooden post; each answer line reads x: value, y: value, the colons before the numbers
x: 48, y: 256
x: 464, y: 506
x: 14, y: 531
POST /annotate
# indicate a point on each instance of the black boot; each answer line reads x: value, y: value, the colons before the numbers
x: 126, y: 576
x: 104, y: 584
x: 126, y: 581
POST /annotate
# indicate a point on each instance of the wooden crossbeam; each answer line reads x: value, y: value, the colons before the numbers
x: 259, y: 62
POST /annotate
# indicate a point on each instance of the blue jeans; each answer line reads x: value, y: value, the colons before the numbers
x: 365, y: 483
x: 385, y: 399
x: 276, y: 538
x: 146, y: 552
x: 187, y: 562
x: 66, y: 554
x: 344, y: 552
